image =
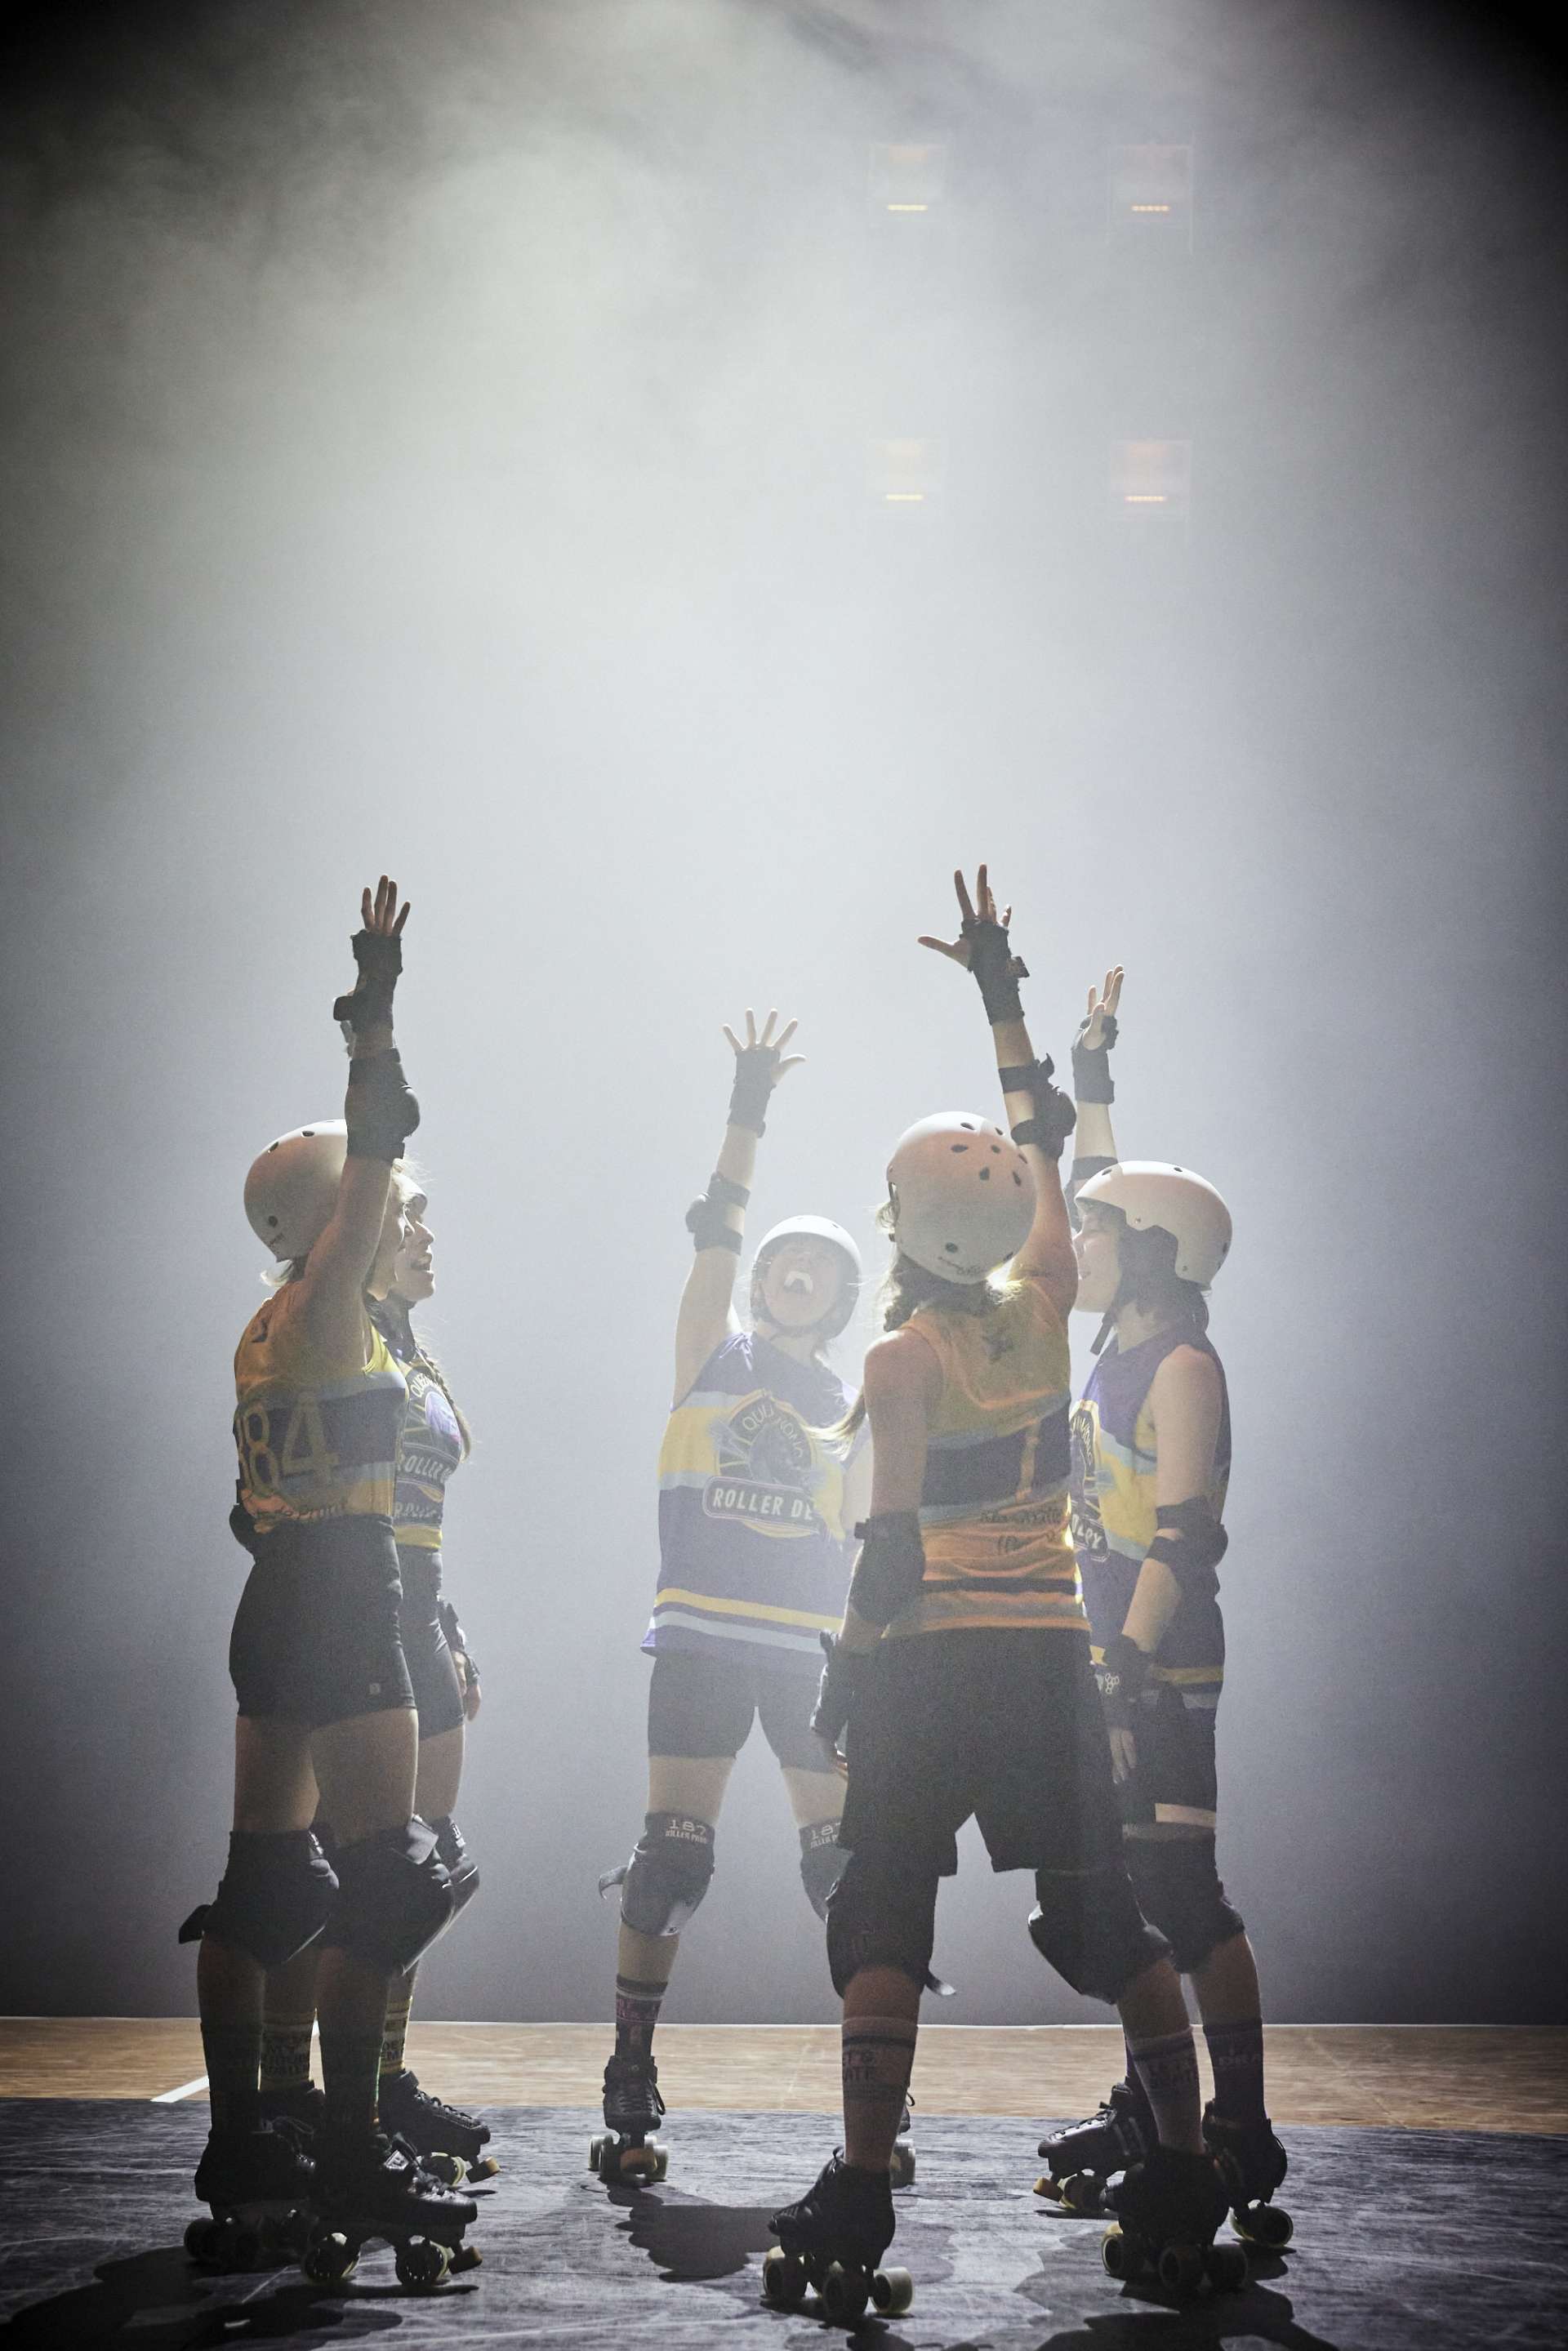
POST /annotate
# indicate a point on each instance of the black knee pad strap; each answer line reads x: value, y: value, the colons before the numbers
x: 1178, y: 1889
x: 881, y: 1914
x: 670, y: 1871
x: 276, y: 1895
x: 1089, y: 1927
x: 452, y: 1852
x: 822, y: 1861
x: 394, y: 1896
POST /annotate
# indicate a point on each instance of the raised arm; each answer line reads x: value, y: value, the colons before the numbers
x: 382, y: 1114
x: 716, y: 1222
x: 1039, y: 1114
x: 1093, y: 1143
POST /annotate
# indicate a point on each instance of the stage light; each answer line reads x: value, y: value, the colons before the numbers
x: 1151, y: 481
x: 908, y: 180
x: 1151, y: 196
x: 904, y: 473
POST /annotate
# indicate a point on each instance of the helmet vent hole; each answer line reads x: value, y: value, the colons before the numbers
x: 273, y: 1222
x: 1018, y: 1179
x: 951, y: 1247
x: 956, y: 1147
x: 967, y: 1124
x: 985, y: 1174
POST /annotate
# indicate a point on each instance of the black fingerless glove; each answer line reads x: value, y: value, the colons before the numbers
x: 754, y: 1070
x: 378, y: 959
x: 1092, y: 1064
x: 837, y: 1692
x: 996, y: 970
x: 457, y: 1640
x: 1122, y: 1674
x: 1054, y: 1115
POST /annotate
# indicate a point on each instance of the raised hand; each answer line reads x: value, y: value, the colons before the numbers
x: 1092, y: 1047
x: 1101, y: 1015
x: 958, y: 950
x: 380, y: 915
x: 378, y: 958
x: 766, y: 1043
x: 760, y: 1064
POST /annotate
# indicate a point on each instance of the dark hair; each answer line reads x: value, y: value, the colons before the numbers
x: 1149, y: 1279
x: 905, y: 1288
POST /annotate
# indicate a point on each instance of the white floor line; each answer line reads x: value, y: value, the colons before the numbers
x: 186, y: 2090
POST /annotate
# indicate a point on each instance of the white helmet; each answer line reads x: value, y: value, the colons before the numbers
x: 962, y: 1194
x: 1151, y: 1194
x: 292, y: 1190
x: 816, y: 1228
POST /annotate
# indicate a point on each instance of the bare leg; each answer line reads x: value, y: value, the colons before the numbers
x: 1159, y: 2042
x: 643, y: 1963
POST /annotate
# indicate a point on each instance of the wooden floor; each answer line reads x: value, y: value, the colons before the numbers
x: 1442, y: 2077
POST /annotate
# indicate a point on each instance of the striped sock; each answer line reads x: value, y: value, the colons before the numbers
x: 1235, y: 2053
x: 286, y: 2053
x: 878, y: 2053
x: 395, y: 2031
x: 1168, y: 2071
x: 637, y: 2007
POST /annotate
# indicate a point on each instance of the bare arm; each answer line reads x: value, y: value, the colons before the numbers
x: 903, y: 1382
x: 330, y: 1298
x: 1185, y: 1406
x: 706, y: 1313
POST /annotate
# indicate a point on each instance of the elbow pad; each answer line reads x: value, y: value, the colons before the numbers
x: 705, y: 1220
x: 1055, y: 1113
x: 1191, y: 1542
x: 380, y: 1111
x: 891, y: 1567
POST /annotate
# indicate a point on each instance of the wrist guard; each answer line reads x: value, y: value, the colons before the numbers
x: 457, y: 1640
x: 891, y: 1567
x: 1092, y: 1065
x: 838, y: 1690
x: 1122, y: 1674
x: 754, y: 1069
x: 378, y: 960
x: 996, y: 969
x: 705, y: 1220
x: 379, y: 1109
x: 1054, y: 1115
x: 1191, y: 1542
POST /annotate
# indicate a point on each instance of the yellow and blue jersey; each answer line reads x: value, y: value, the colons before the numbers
x: 1113, y: 1508
x: 316, y: 1436
x: 751, y: 1502
x: 993, y: 1511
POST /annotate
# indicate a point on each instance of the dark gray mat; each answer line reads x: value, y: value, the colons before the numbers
x: 1404, y: 2238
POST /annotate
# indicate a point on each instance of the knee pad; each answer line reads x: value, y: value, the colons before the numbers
x: 452, y: 1852
x: 881, y: 1914
x: 1089, y: 1927
x: 394, y: 1896
x: 274, y: 1896
x: 1179, y: 1890
x: 822, y: 1861
x: 670, y: 1871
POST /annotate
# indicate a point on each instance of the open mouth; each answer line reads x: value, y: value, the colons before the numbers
x: 798, y: 1285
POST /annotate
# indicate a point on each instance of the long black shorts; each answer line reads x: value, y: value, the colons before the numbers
x: 1174, y: 1782
x: 432, y: 1669
x: 1003, y: 1725
x: 315, y: 1638
x: 700, y: 1706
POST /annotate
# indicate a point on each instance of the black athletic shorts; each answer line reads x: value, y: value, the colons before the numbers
x: 707, y: 1705
x: 315, y: 1639
x: 1003, y: 1725
x: 1173, y: 1783
x: 432, y: 1669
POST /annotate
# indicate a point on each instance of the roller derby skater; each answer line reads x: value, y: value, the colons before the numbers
x: 753, y: 1507
x: 962, y: 1674
x: 326, y: 1708
x: 831, y: 2243
x: 1151, y: 1460
x: 433, y: 1443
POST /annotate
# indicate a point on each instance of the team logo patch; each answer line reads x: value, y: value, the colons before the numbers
x: 765, y: 1466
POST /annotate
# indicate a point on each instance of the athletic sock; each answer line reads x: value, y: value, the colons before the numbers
x: 286, y: 2054
x: 1140, y: 2096
x: 395, y: 2031
x: 1167, y: 2070
x: 637, y: 2007
x: 232, y: 2055
x: 1235, y: 2053
x: 878, y: 2053
x: 350, y: 2068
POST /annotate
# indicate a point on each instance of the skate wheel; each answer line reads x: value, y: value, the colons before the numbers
x: 291, y: 2236
x: 784, y: 2278
x: 1116, y: 2254
x: 483, y: 2166
x: 1263, y: 2224
x: 1080, y: 2193
x: 420, y: 2265
x: 331, y: 2260
x: 596, y: 2147
x: 892, y: 2293
x: 247, y: 2248
x: 1226, y: 2267
x: 1179, y: 2268
x: 649, y: 2161
x: 465, y: 2257
x: 901, y: 2164
x: 201, y: 2240
x: 449, y: 2169
x: 845, y: 2294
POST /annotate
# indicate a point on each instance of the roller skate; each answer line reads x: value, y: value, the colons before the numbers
x: 901, y: 2162
x: 831, y: 2243
x: 626, y: 2150
x: 447, y: 2140
x: 300, y: 2111
x: 1168, y: 2209
x: 1252, y: 2164
x: 378, y: 2191
x: 260, y: 2185
x: 1080, y: 2159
